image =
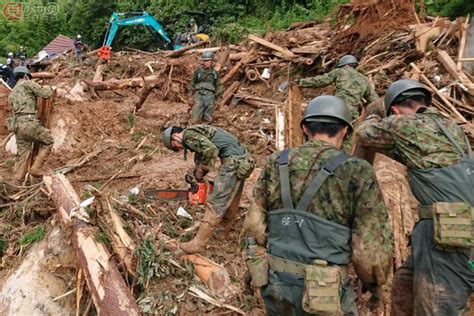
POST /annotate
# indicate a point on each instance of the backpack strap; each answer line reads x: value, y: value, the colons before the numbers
x: 285, y: 179
x: 319, y: 179
x: 451, y: 138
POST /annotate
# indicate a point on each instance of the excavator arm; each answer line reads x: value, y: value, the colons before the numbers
x: 135, y: 18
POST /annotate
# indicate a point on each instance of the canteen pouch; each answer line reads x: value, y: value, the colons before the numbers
x: 453, y: 224
x: 11, y: 124
x: 322, y: 284
x: 257, y: 265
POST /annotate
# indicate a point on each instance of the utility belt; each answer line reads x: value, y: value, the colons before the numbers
x: 244, y: 164
x: 453, y: 224
x: 203, y: 90
x: 322, y: 283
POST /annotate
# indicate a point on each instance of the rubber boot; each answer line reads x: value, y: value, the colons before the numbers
x: 228, y: 220
x: 37, y: 167
x: 208, y: 224
x: 21, y: 167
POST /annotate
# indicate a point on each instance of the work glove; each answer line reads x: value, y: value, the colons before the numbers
x: 375, y: 109
x: 199, y: 173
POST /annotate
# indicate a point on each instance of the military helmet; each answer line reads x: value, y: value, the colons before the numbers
x: 207, y: 55
x: 347, y: 60
x: 10, y: 54
x: 21, y: 70
x: 327, y: 108
x: 403, y: 89
x: 167, y: 138
x: 78, y: 36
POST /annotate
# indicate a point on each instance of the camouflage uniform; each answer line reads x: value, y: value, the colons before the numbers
x: 350, y: 197
x: 209, y: 143
x: 206, y: 84
x: 352, y: 86
x: 26, y: 126
x: 433, y: 280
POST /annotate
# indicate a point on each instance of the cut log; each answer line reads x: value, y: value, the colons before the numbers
x: 237, y: 56
x: 115, y: 84
x: 439, y: 94
x: 108, y: 290
x: 33, y: 285
x: 98, y: 73
x: 180, y: 52
x: 229, y: 93
x: 287, y: 53
x: 222, y: 61
x: 43, y: 75
x: 236, y: 68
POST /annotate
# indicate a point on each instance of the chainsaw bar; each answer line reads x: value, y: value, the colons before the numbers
x: 154, y: 194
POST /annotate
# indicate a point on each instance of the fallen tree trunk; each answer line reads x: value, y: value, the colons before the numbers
x: 144, y: 94
x: 180, y: 52
x: 234, y: 70
x: 106, y: 286
x: 229, y: 93
x: 116, y: 84
x: 43, y: 75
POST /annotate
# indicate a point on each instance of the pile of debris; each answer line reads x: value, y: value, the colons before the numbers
x: 123, y: 245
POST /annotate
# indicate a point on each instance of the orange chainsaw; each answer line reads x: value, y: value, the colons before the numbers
x: 196, y: 194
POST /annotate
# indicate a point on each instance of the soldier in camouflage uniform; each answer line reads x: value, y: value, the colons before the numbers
x: 352, y: 86
x: 206, y: 86
x: 435, y: 279
x: 209, y: 143
x: 340, y: 217
x: 25, y: 124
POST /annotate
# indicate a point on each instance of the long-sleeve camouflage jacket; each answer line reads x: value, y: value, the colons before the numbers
x: 23, y: 97
x: 208, y: 143
x: 413, y: 140
x: 352, y: 86
x: 207, y: 79
x: 351, y: 197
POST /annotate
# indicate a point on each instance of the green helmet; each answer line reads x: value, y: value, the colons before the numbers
x: 403, y: 89
x: 167, y: 138
x: 347, y: 60
x: 21, y: 70
x: 207, y: 55
x: 327, y: 108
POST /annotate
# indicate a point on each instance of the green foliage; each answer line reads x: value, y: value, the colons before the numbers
x: 450, y: 8
x: 148, y: 262
x: 102, y: 238
x: 31, y: 237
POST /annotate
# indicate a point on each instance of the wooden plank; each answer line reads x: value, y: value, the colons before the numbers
x: 462, y: 43
x: 288, y: 54
x: 440, y: 95
x: 449, y: 64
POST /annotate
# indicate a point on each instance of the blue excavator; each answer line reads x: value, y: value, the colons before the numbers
x: 136, y: 18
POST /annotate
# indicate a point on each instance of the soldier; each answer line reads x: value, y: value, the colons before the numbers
x: 26, y: 126
x: 9, y: 71
x: 437, y: 278
x: 21, y: 55
x: 78, y: 46
x: 208, y: 143
x: 206, y: 86
x: 340, y: 218
x: 352, y: 86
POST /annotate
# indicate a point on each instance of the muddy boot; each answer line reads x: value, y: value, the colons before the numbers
x: 228, y: 221
x: 21, y: 167
x: 37, y: 168
x: 208, y: 224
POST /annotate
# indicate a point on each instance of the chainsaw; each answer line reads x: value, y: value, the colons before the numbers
x: 196, y: 194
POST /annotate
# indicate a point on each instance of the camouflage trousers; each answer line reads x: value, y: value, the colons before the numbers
x: 284, y: 294
x: 225, y: 197
x: 431, y: 281
x: 27, y: 132
x: 203, y: 109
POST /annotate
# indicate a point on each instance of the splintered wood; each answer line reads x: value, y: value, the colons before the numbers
x: 110, y: 294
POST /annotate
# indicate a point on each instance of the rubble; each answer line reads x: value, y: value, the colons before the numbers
x: 107, y: 122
